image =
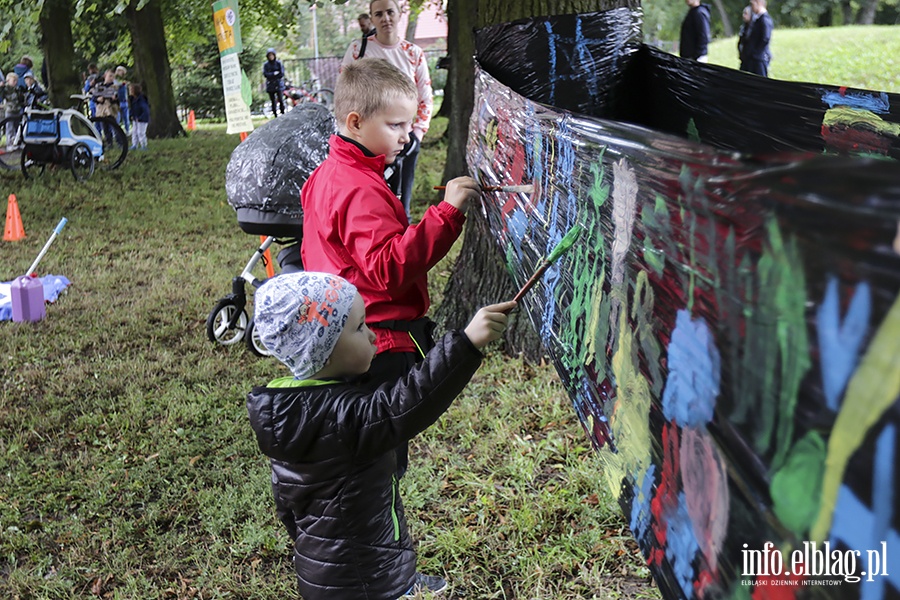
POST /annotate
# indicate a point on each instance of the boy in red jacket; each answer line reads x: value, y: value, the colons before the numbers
x: 355, y: 227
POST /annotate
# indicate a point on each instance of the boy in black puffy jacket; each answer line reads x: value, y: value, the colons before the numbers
x: 332, y: 442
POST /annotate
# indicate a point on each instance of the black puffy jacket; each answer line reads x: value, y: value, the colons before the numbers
x: 332, y: 450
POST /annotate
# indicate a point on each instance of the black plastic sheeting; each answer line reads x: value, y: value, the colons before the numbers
x: 595, y: 65
x: 728, y: 324
x: 267, y: 170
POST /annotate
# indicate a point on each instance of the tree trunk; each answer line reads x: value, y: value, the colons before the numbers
x: 826, y: 18
x: 59, y: 51
x: 866, y: 14
x: 847, y: 12
x: 726, y: 20
x: 151, y: 66
x: 479, y: 276
x: 411, y: 26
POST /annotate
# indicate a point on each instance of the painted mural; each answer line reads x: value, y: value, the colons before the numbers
x: 728, y: 324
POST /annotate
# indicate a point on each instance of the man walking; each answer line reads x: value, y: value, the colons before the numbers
x: 756, y: 48
x: 695, y: 32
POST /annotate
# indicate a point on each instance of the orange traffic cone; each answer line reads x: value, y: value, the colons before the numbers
x: 192, y: 124
x: 14, y: 229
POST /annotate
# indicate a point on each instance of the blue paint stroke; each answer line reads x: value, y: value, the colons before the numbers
x: 880, y: 104
x: 563, y: 172
x: 840, y: 343
x: 640, y: 507
x: 694, y: 373
x: 681, y: 546
x: 862, y: 528
x: 516, y: 226
x: 551, y: 60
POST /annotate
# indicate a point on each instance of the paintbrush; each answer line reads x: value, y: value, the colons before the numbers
x: 561, y: 248
x: 513, y: 189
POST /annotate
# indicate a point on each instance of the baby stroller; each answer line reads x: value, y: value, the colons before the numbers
x: 262, y: 182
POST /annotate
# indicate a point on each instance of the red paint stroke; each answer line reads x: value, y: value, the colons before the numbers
x: 666, y: 497
x: 850, y: 139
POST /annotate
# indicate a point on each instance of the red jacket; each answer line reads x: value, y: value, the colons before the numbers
x: 355, y: 227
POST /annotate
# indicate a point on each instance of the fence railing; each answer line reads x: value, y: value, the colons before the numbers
x: 325, y: 69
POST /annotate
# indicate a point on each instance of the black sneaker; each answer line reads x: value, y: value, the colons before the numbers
x: 426, y: 583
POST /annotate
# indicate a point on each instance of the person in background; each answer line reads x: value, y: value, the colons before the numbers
x: 410, y: 59
x: 365, y: 25
x: 89, y: 81
x: 273, y: 71
x: 25, y: 65
x: 756, y: 48
x: 331, y: 441
x: 13, y: 99
x: 140, y: 115
x: 694, y: 42
x: 34, y: 93
x: 124, y: 115
x: 744, y: 32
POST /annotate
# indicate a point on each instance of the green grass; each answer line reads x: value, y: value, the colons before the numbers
x: 128, y: 468
x: 866, y: 57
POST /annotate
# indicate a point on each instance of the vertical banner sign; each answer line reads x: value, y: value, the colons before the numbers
x: 235, y: 83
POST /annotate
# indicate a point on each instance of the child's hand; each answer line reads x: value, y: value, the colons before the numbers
x: 488, y: 324
x: 460, y: 191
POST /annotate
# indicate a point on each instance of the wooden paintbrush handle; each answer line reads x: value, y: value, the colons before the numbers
x: 533, y: 280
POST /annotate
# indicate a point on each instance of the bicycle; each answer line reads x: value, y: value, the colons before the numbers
x: 12, y: 141
x: 114, y: 138
x: 309, y: 91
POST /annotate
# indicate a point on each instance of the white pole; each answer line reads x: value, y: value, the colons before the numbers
x: 315, y: 31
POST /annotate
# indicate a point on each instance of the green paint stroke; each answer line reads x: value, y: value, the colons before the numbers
x: 642, y: 315
x: 864, y: 119
x: 797, y: 486
x: 871, y: 392
x: 777, y: 350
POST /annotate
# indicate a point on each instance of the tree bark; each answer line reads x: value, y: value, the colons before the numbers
x: 726, y: 19
x: 59, y: 51
x: 151, y: 66
x: 847, y: 12
x: 479, y: 276
x: 866, y: 14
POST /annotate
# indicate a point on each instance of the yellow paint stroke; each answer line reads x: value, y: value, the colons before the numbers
x: 871, y: 392
x: 857, y: 117
x: 630, y: 420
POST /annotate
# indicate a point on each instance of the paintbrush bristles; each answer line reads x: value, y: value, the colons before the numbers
x: 564, y: 244
x: 512, y: 189
x: 561, y: 248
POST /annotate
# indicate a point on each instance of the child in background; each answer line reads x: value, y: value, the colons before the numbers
x: 13, y: 100
x: 140, y: 115
x: 124, y: 113
x: 356, y: 227
x: 106, y: 95
x: 34, y: 93
x: 331, y: 441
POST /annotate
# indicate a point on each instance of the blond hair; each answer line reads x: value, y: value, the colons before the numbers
x: 368, y: 86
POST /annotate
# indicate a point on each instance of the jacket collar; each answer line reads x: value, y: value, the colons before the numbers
x: 349, y: 152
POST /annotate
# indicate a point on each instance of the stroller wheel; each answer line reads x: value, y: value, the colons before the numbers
x: 30, y: 168
x: 226, y: 323
x: 254, y: 344
x: 81, y: 161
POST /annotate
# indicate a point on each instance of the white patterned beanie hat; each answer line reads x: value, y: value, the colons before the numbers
x: 300, y: 316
